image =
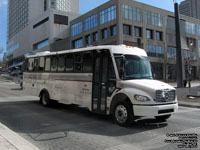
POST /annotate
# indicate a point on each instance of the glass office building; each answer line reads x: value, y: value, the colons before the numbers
x: 141, y: 25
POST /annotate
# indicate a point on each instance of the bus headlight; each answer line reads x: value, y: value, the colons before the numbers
x: 141, y: 98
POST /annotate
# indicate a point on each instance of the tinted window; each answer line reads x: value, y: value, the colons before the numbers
x: 54, y: 63
x: 30, y: 64
x: 69, y: 62
x: 87, y: 62
x: 61, y: 63
x: 47, y: 64
x: 78, y: 62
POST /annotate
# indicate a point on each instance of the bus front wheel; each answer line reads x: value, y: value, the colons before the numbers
x: 123, y: 114
x: 44, y: 98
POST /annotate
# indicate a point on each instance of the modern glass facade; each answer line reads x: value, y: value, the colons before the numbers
x: 155, y: 51
x: 170, y: 23
x: 132, y: 13
x: 13, y: 48
x: 190, y: 28
x: 91, y: 22
x: 78, y: 43
x: 76, y: 29
x: 159, y: 36
x: 126, y: 29
x: 108, y: 14
x: 113, y: 30
x: 95, y: 37
x: 198, y: 29
x: 18, y: 16
x: 153, y: 18
x: 41, y: 44
x: 105, y: 33
x: 171, y: 53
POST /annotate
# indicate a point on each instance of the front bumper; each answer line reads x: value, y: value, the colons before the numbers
x: 154, y: 110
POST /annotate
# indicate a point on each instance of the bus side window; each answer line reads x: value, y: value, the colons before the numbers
x: 61, y: 63
x: 41, y: 64
x: 69, y: 63
x: 78, y: 62
x: 36, y: 65
x: 54, y: 63
x: 30, y: 64
x: 47, y: 64
x: 87, y: 62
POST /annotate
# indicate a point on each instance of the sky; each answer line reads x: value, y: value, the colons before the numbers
x: 85, y: 6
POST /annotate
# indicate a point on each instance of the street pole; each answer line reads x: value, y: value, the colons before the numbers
x: 179, y: 61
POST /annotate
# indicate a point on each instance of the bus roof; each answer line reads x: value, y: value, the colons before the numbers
x: 116, y: 49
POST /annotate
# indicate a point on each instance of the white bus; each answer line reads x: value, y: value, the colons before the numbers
x: 111, y: 80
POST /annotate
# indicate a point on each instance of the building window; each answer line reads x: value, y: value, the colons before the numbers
x: 53, y: 4
x: 60, y: 19
x: 199, y: 47
x: 159, y: 36
x: 153, y: 18
x: 95, y: 37
x: 149, y: 34
x: 41, y: 44
x: 157, y: 70
x: 126, y: 29
x: 113, y: 30
x: 88, y: 39
x: 45, y: 5
x: 138, y: 32
x: 198, y: 29
x: 76, y: 29
x: 190, y: 27
x: 104, y: 34
x: 171, y: 53
x: 13, y: 48
x: 91, y: 22
x: 78, y: 43
x: 132, y: 13
x: 41, y: 22
x: 108, y: 14
x: 155, y: 51
x: 170, y: 22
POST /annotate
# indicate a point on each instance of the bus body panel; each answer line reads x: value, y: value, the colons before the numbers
x: 65, y: 88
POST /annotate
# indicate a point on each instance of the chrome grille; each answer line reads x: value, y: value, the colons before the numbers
x: 165, y: 95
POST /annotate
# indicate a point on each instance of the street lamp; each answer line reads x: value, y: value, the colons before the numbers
x: 179, y: 61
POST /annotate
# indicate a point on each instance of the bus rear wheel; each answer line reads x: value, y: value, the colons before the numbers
x: 123, y: 114
x: 44, y: 98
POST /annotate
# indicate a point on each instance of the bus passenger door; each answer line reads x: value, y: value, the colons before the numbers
x: 100, y: 82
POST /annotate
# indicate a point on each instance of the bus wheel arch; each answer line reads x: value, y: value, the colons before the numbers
x: 44, y: 97
x: 122, y: 110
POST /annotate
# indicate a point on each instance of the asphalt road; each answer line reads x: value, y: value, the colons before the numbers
x: 63, y: 127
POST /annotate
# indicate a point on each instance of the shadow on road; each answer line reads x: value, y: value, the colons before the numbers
x: 42, y: 124
x: 16, y: 89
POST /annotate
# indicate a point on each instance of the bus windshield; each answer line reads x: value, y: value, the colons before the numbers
x: 135, y: 67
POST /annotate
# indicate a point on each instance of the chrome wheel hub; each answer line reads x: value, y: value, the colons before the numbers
x: 121, y: 114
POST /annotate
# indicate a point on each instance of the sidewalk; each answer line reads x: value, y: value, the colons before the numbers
x: 9, y: 140
x: 188, y: 97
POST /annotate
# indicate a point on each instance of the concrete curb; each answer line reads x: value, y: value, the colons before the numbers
x: 191, y: 104
x: 17, y: 141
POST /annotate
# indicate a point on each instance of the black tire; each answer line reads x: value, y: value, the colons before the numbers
x: 44, y: 99
x: 162, y: 118
x: 123, y: 114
